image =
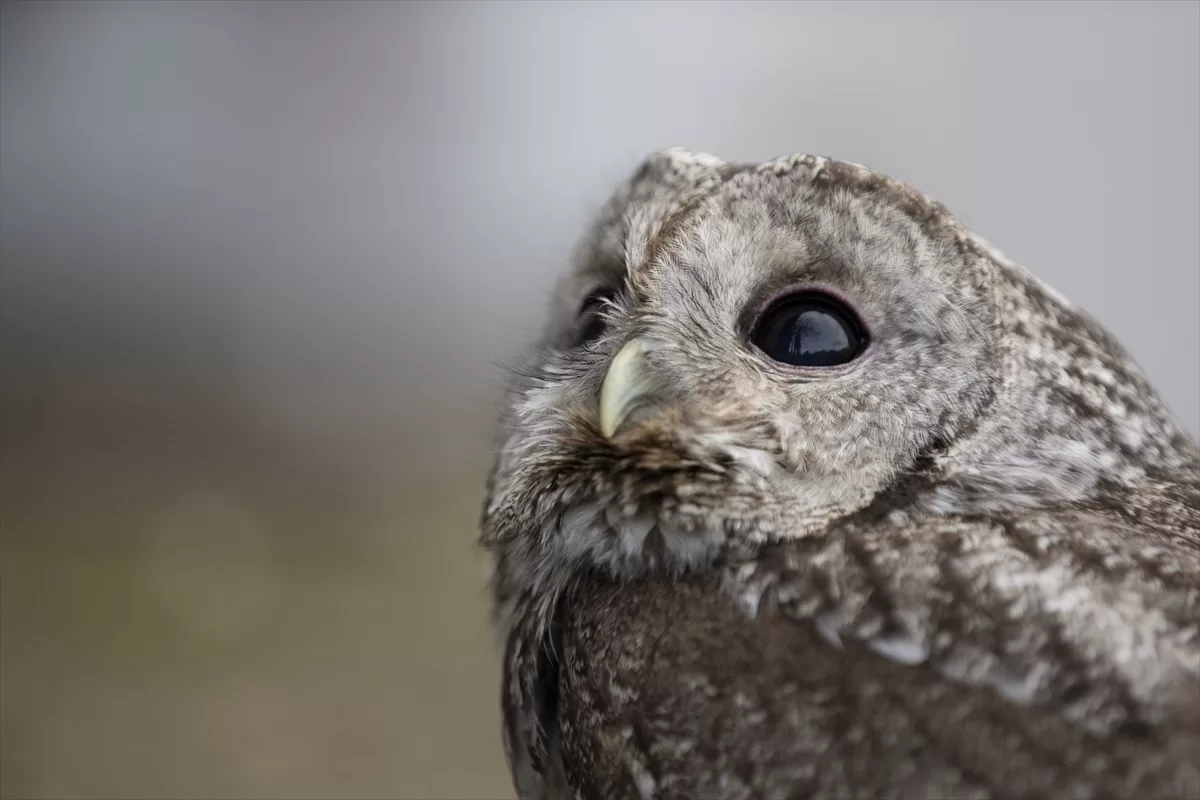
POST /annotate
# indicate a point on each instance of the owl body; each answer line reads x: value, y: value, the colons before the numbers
x: 809, y: 492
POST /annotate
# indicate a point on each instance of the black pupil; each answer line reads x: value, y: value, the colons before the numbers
x: 809, y: 330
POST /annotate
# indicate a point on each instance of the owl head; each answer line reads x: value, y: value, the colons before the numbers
x: 744, y: 353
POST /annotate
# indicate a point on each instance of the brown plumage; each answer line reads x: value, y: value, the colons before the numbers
x: 959, y: 560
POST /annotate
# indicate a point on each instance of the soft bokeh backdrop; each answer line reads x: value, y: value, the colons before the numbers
x: 260, y: 262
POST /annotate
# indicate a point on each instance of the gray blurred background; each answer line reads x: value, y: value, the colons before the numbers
x: 260, y: 262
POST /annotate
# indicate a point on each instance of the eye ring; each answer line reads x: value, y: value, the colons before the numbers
x: 809, y: 328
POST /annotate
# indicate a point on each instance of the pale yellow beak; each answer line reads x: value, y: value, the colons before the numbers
x: 625, y: 385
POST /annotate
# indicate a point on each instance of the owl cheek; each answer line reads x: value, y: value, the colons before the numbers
x: 797, y: 456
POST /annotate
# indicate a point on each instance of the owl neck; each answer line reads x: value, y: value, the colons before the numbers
x: 1072, y: 417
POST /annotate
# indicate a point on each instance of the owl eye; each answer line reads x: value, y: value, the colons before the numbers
x: 810, y: 329
x: 590, y: 323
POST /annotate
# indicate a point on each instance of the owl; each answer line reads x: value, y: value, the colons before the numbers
x: 806, y: 491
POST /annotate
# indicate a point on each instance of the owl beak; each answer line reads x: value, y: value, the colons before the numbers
x: 626, y: 385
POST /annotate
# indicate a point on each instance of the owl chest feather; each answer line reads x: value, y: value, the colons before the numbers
x: 1052, y: 654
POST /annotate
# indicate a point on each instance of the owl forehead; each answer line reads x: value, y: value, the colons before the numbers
x: 671, y: 183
